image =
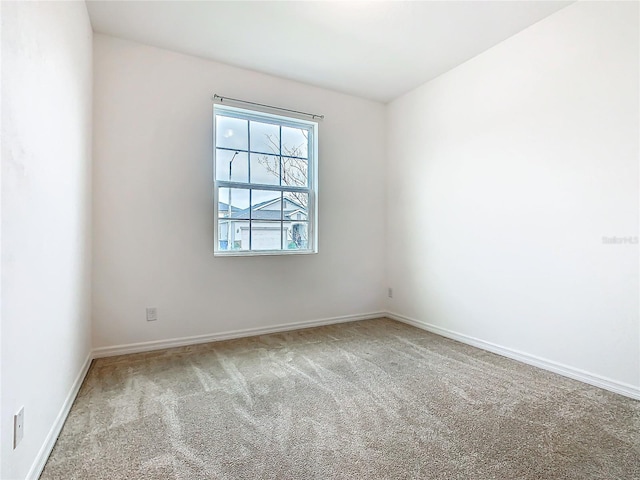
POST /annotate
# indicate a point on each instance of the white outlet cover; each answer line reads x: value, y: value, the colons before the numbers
x: 18, y: 427
x: 152, y: 314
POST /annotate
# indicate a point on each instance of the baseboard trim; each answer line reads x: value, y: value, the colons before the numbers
x: 216, y: 337
x: 43, y: 455
x: 555, y: 367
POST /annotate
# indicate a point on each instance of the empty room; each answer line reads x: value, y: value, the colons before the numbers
x: 320, y: 240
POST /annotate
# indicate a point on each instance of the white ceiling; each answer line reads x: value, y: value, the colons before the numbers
x: 377, y: 50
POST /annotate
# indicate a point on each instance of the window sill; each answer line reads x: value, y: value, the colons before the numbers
x: 262, y: 253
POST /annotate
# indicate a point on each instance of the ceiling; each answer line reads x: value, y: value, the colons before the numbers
x: 377, y: 50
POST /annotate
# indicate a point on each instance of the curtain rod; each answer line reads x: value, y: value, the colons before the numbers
x: 222, y: 99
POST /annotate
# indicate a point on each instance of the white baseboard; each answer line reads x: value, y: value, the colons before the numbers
x: 43, y: 455
x: 555, y: 367
x: 216, y: 337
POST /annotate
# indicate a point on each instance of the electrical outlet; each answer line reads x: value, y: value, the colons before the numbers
x: 152, y: 314
x: 390, y: 292
x: 18, y: 427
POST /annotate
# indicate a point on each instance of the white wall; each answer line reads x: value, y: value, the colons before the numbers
x: 46, y: 207
x: 505, y: 174
x: 153, y: 240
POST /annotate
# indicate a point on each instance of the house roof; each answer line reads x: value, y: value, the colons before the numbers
x: 224, y: 207
x: 263, y: 214
x: 261, y: 205
x: 258, y: 212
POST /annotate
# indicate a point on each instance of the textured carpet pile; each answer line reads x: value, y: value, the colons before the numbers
x: 367, y: 400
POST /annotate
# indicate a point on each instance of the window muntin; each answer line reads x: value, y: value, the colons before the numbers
x: 265, y: 197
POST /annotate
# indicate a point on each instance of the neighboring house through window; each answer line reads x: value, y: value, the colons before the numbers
x: 265, y: 191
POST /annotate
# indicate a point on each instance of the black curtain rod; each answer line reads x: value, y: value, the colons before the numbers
x: 222, y: 99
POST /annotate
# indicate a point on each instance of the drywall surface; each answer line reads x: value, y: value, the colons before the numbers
x: 46, y: 216
x: 153, y: 203
x: 513, y: 194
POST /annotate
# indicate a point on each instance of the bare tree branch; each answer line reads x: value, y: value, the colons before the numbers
x: 287, y: 163
x: 293, y: 171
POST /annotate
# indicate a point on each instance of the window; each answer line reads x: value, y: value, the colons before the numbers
x: 264, y: 183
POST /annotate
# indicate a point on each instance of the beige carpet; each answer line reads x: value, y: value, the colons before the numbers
x: 367, y: 400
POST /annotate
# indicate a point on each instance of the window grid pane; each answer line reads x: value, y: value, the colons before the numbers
x: 265, y: 169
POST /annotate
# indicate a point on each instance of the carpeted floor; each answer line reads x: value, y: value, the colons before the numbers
x: 367, y: 400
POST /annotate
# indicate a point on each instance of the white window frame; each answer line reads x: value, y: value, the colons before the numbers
x: 312, y: 178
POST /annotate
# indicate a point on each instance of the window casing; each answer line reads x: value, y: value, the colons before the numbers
x: 265, y: 183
